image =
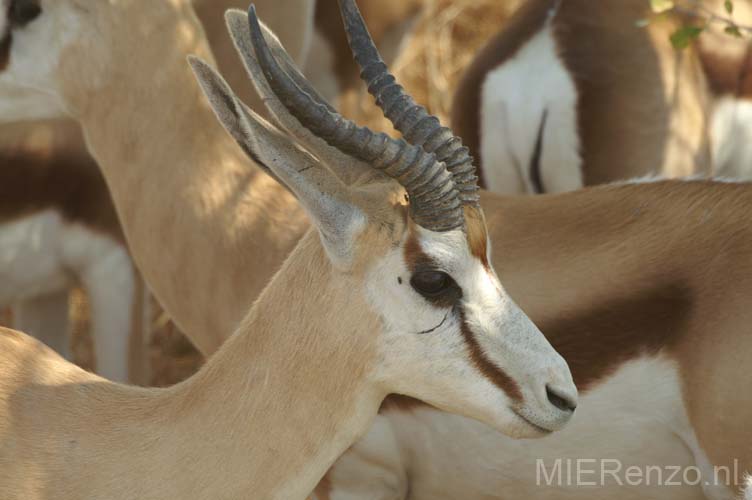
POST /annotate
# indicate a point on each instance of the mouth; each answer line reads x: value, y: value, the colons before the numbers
x: 542, y: 431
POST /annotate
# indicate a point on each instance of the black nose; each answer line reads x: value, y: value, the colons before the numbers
x: 559, y: 401
x: 22, y: 12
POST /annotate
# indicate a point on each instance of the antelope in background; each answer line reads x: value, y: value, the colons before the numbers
x: 294, y: 387
x: 616, y: 267
x: 59, y: 227
x: 573, y: 92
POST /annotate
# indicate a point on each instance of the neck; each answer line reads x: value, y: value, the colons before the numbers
x: 265, y: 417
x: 199, y: 217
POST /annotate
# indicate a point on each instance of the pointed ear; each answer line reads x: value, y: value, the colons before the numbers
x: 350, y: 170
x: 325, y: 199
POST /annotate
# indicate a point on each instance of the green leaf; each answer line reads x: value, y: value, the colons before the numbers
x: 733, y: 31
x: 729, y: 6
x: 682, y: 37
x: 659, y: 6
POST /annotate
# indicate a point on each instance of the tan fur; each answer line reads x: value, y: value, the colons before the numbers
x: 46, y: 164
x: 251, y: 223
x: 274, y: 407
x: 643, y: 107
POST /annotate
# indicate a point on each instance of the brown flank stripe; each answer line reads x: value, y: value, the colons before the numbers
x: 32, y: 181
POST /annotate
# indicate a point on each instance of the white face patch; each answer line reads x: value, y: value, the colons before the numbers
x: 515, y: 99
x: 480, y: 357
x: 29, y: 87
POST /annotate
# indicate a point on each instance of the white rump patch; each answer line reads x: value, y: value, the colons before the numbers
x: 515, y: 98
x: 731, y: 138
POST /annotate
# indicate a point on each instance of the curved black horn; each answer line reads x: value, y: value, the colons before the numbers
x: 434, y: 199
x: 413, y: 120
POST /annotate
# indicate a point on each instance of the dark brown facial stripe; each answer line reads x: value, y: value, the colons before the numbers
x: 489, y: 370
x: 5, y: 44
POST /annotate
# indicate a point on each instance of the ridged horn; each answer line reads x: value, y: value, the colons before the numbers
x: 418, y: 127
x: 434, y: 199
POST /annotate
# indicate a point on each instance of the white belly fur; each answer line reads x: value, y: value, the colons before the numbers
x: 31, y: 259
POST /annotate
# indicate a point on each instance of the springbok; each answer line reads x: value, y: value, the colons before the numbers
x: 390, y: 292
x: 634, y: 293
x: 611, y: 270
x: 248, y: 228
x: 61, y: 201
x: 58, y: 229
x: 573, y: 92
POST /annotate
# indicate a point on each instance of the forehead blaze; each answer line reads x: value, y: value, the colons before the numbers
x: 476, y: 235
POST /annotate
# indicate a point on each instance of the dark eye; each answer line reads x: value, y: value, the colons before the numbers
x: 22, y: 12
x: 431, y: 283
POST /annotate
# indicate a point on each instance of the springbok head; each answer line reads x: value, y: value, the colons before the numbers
x: 404, y: 216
